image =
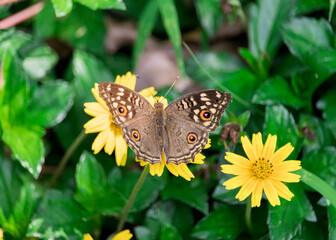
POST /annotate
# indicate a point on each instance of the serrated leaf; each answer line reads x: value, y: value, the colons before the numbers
x: 285, y: 220
x: 222, y: 223
x: 145, y: 26
x: 171, y: 23
x: 50, y: 103
x: 62, y: 7
x: 277, y: 90
x: 59, y: 216
x: 39, y: 62
x: 193, y: 193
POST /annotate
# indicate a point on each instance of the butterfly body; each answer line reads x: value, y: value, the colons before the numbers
x: 180, y: 131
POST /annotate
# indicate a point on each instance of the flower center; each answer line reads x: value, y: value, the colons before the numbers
x: 262, y: 168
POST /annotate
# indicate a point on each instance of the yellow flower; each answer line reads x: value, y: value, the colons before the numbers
x: 263, y: 170
x: 123, y: 235
x: 177, y: 170
x: 110, y: 136
x: 1, y: 234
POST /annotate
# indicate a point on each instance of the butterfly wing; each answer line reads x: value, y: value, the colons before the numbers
x: 189, y: 121
x: 134, y: 114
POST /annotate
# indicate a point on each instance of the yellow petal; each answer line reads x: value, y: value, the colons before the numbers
x: 186, y: 171
x: 289, y: 166
x: 110, y: 141
x: 128, y: 80
x: 87, y: 237
x: 246, y: 189
x: 148, y: 92
x: 271, y: 193
x: 124, y: 235
x: 257, y: 194
x: 95, y: 109
x: 285, y: 176
x: 238, y: 160
x: 249, y: 149
x: 282, y: 153
x: 235, y: 170
x: 269, y: 147
x: 121, y: 148
x: 199, y: 159
x: 257, y: 143
x: 97, y: 124
x: 99, y: 142
x: 95, y: 92
x: 236, y: 182
x: 283, y: 190
x: 208, y: 145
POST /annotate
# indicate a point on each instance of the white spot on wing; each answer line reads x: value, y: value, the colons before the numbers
x: 196, y: 111
x: 203, y: 95
x: 213, y: 110
x: 121, y: 89
x: 196, y: 118
x: 122, y: 102
x: 205, y: 99
x: 115, y: 104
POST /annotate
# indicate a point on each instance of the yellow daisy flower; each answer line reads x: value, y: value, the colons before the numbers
x: 177, y: 170
x: 263, y: 170
x: 123, y: 235
x: 109, y: 134
x: 1, y: 234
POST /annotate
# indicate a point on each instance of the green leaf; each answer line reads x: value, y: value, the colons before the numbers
x: 166, y: 214
x: 322, y: 162
x: 171, y: 24
x: 277, y: 90
x: 24, y: 139
x: 92, y: 191
x: 50, y: 103
x: 285, y: 221
x: 27, y: 145
x: 59, y: 216
x: 62, y: 7
x: 192, y: 193
x: 17, y: 222
x: 329, y: 112
x: 210, y: 15
x: 332, y: 221
x: 279, y: 121
x: 85, y: 35
x: 87, y: 71
x: 17, y: 199
x: 169, y: 233
x: 11, y: 40
x: 266, y: 18
x: 310, y: 6
x: 227, y: 196
x: 103, y: 4
x: 331, y: 8
x: 303, y: 35
x: 216, y: 63
x: 145, y: 26
x: 124, y: 184
x: 39, y: 62
x: 223, y: 223
x: 14, y: 95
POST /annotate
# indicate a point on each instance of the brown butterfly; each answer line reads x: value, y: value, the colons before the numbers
x: 180, y: 131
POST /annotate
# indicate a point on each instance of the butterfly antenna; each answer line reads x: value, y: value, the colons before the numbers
x: 171, y: 86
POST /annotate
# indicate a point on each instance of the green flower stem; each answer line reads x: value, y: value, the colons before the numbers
x: 132, y: 198
x: 66, y: 157
x: 235, y: 96
x: 319, y: 185
x: 248, y: 215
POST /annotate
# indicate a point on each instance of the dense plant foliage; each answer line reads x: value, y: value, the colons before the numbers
x: 276, y: 57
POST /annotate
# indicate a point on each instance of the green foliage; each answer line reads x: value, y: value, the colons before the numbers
x: 281, y: 74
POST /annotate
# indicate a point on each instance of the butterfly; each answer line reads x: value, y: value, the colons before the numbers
x: 180, y: 131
